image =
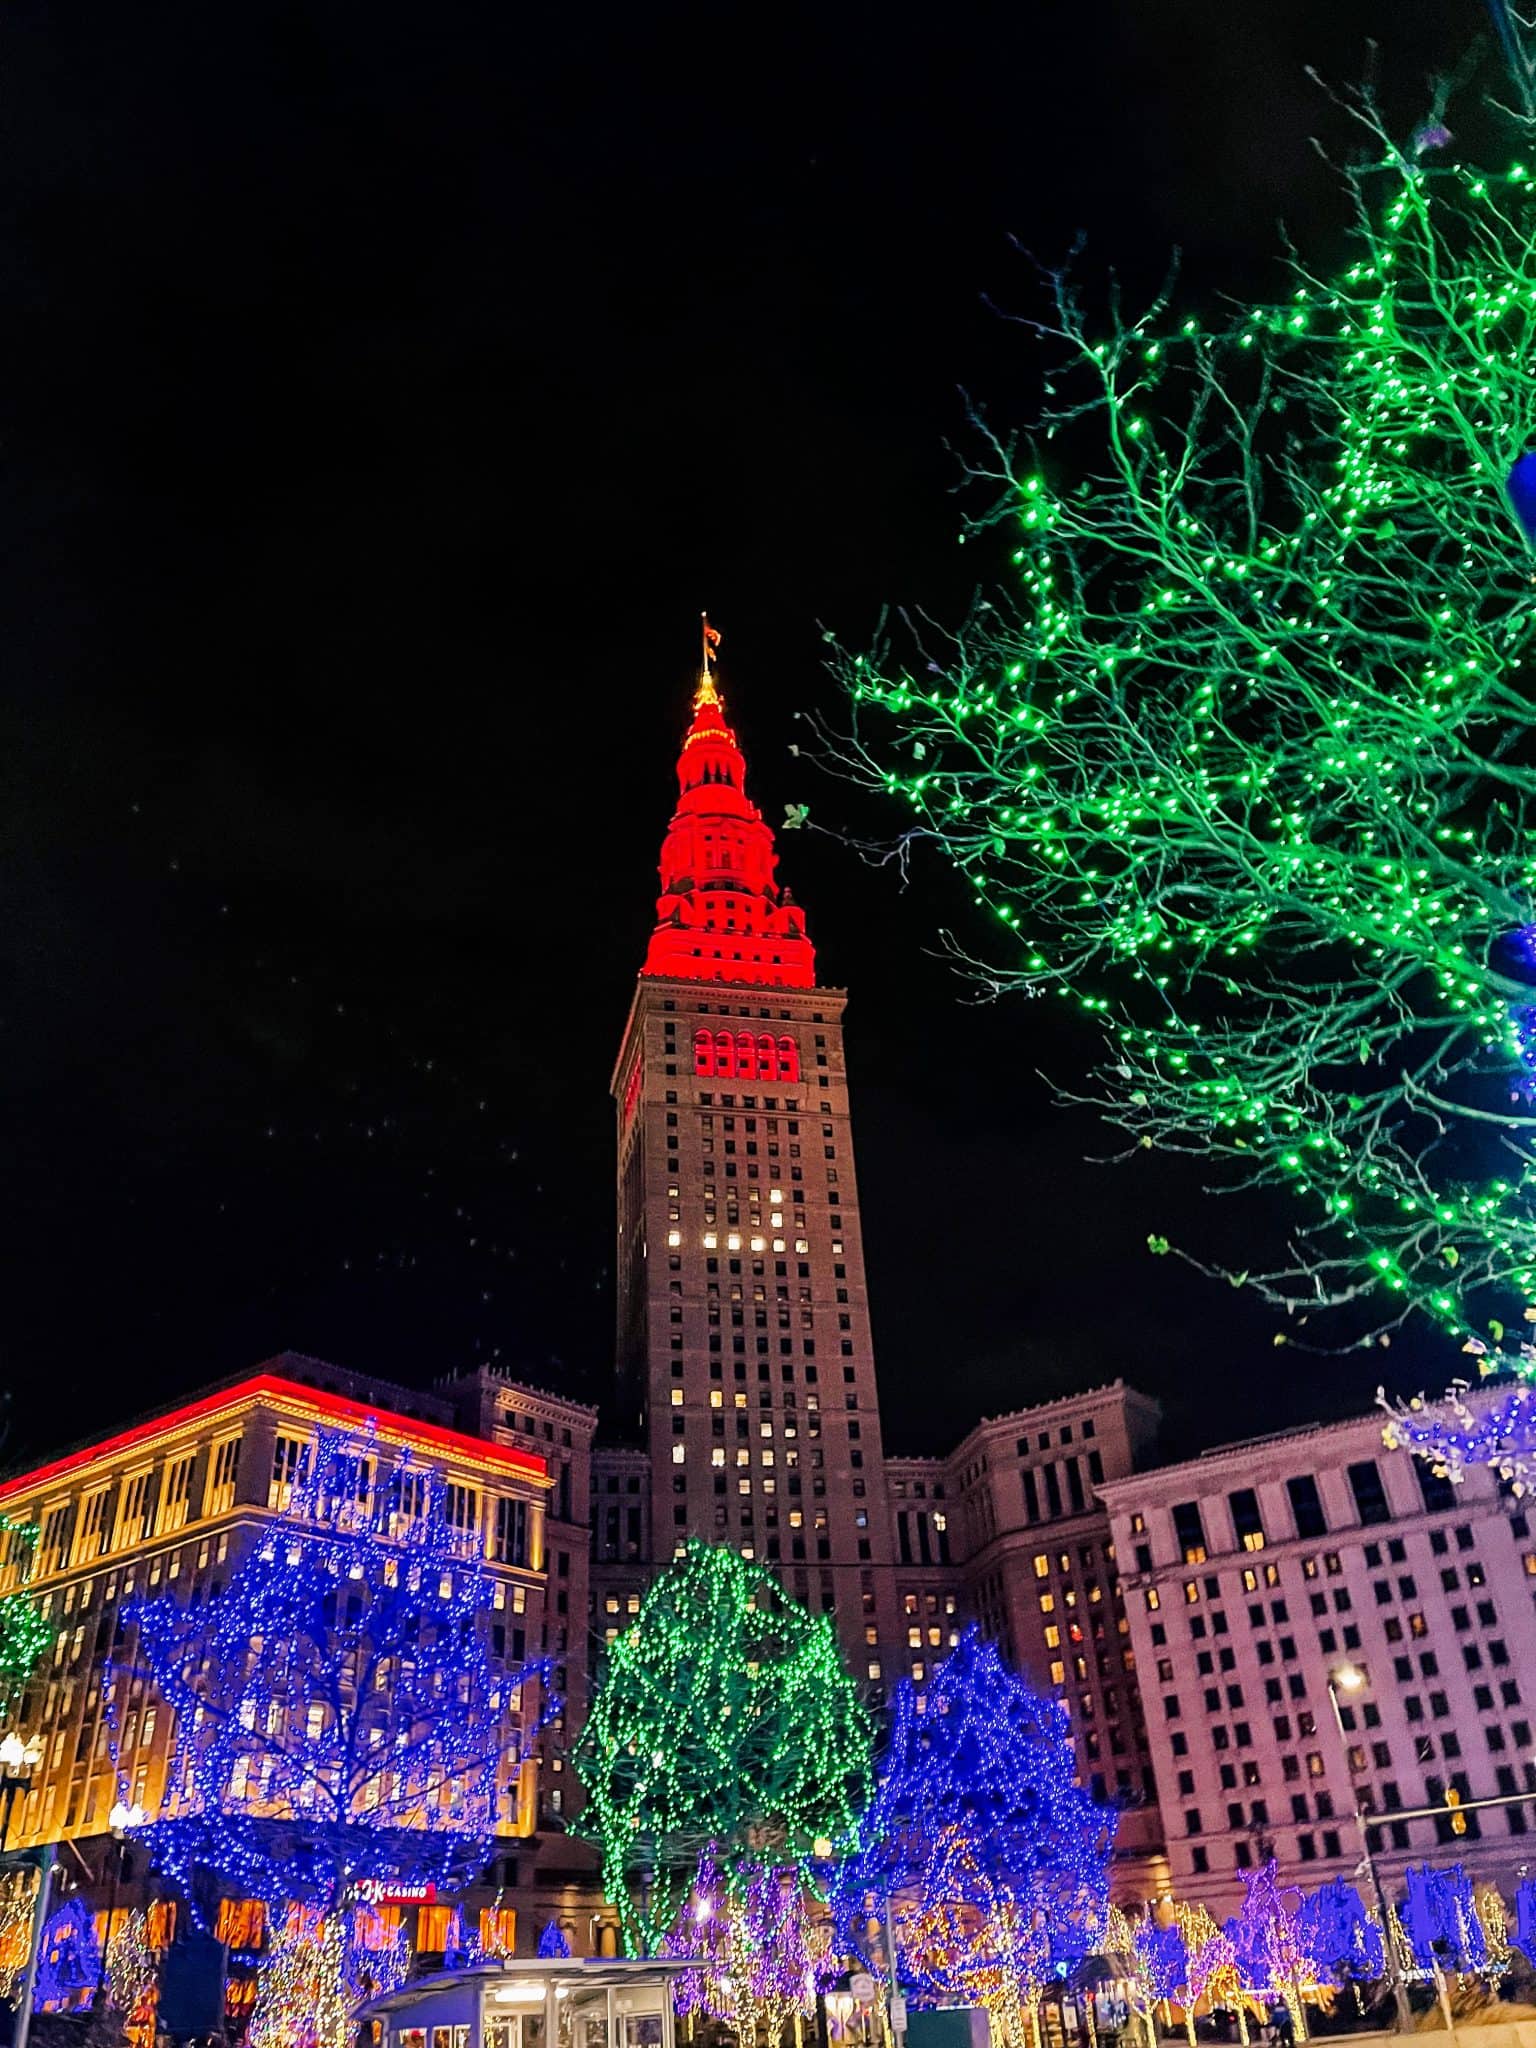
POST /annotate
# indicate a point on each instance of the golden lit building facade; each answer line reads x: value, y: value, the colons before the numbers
x: 177, y: 1501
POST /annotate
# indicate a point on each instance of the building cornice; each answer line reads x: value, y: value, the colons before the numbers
x: 290, y: 1397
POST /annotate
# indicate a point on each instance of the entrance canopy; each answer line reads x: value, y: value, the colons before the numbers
x: 548, y: 2002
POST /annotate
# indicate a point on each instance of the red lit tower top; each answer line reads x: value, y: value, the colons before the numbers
x: 721, y: 916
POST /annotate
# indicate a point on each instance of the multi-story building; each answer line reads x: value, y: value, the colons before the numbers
x: 1257, y: 1575
x: 744, y: 1349
x: 1009, y: 1529
x: 745, y: 1354
x: 178, y: 1500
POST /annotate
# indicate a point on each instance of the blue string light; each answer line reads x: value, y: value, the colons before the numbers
x: 68, y: 1957
x: 342, y: 1711
x: 1440, y: 1919
x: 1344, y: 1943
x: 977, y: 1824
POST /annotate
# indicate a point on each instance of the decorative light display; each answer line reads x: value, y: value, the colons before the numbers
x: 762, y: 1948
x: 133, y: 1975
x: 994, y: 1861
x: 552, y: 1940
x: 1342, y: 1941
x: 1454, y: 1437
x: 24, y: 1634
x: 18, y: 1902
x: 1440, y: 1920
x: 340, y: 1714
x: 1210, y: 1967
x: 1241, y: 768
x: 1150, y: 1961
x: 299, y: 2000
x: 1524, y: 1936
x: 1268, y: 1947
x: 68, y: 1959
x: 724, y: 1720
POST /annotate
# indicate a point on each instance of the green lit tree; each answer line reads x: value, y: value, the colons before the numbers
x: 725, y: 1725
x: 24, y: 1633
x: 1242, y: 763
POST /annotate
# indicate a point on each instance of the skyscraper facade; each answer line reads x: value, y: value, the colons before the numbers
x: 745, y: 1357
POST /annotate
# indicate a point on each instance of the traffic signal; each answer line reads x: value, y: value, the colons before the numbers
x: 1458, y: 1818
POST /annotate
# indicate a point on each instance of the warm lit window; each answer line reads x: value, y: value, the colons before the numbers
x: 432, y: 1929
x: 674, y: 1239
x: 677, y: 1397
x: 678, y: 1454
x: 222, y: 1470
x: 498, y: 1930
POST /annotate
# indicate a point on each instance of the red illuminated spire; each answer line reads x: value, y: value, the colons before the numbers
x: 720, y: 915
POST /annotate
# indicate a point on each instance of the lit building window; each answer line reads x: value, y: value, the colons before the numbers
x: 679, y: 1452
x: 677, y: 1397
x: 802, y: 1245
x: 874, y: 1667
x: 674, y: 1238
x: 711, y: 1240
x: 733, y: 1241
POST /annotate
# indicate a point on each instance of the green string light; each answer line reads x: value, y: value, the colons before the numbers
x: 1243, y: 768
x: 724, y: 1722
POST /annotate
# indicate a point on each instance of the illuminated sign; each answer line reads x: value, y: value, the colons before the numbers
x: 745, y: 1056
x: 386, y: 1891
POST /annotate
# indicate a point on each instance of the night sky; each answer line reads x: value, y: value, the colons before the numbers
x: 385, y: 390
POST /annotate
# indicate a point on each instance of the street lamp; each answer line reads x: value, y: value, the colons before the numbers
x: 18, y: 1760
x: 1353, y: 1678
x: 122, y: 1820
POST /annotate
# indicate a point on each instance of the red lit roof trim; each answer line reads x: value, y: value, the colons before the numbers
x: 272, y: 1386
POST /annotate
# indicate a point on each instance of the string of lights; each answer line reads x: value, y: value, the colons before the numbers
x: 1241, y: 765
x: 340, y: 1710
x: 992, y: 1858
x: 24, y: 1632
x: 724, y: 1721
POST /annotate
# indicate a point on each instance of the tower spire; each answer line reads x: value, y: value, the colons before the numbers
x: 721, y: 915
x: 709, y: 645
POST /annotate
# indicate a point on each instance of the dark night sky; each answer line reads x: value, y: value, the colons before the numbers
x: 384, y: 392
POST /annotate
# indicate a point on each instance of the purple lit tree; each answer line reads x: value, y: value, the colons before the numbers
x: 763, y: 1948
x: 1267, y: 1942
x: 340, y: 1712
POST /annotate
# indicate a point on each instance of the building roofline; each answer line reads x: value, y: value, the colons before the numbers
x: 274, y: 1386
x: 1011, y: 1418
x: 1244, y: 1446
x: 517, y: 1386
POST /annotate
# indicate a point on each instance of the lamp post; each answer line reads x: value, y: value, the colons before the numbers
x: 18, y: 1760
x: 1352, y: 1678
x: 122, y: 1819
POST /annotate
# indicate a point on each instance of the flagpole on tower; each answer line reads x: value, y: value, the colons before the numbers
x: 709, y: 641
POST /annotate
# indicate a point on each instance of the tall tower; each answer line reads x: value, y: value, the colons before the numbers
x: 743, y: 1319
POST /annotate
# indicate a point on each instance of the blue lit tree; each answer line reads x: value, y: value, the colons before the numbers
x: 995, y: 1863
x: 1440, y: 1919
x: 340, y: 1713
x: 1343, y: 1943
